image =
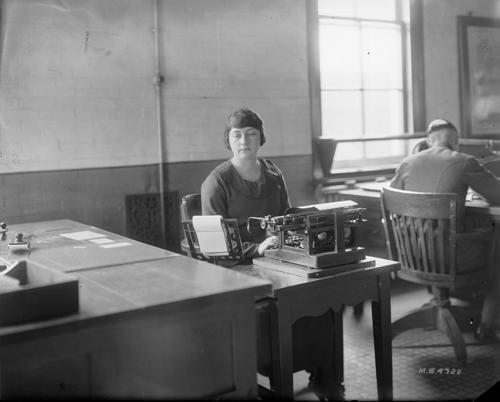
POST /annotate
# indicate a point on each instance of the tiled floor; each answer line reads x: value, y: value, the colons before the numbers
x: 424, y: 364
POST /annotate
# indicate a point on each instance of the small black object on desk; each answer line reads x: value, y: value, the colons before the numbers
x: 3, y: 230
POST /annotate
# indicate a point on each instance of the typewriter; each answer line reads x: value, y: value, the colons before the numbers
x: 315, y: 236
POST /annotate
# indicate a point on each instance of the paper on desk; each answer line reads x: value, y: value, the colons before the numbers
x: 210, y: 234
x: 84, y: 235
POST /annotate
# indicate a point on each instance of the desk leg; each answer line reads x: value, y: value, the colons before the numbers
x: 381, y: 315
x: 281, y: 330
x: 338, y: 334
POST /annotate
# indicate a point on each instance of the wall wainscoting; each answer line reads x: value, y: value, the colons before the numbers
x: 98, y: 196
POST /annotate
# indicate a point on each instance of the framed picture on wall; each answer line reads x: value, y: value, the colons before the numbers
x: 479, y: 66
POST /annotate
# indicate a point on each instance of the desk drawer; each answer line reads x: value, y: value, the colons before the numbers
x: 63, y: 378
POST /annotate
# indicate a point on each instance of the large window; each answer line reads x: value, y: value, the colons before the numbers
x: 364, y: 70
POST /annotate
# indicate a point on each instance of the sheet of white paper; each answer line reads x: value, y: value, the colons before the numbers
x: 210, y: 235
x: 102, y: 240
x: 122, y: 244
x: 85, y: 235
x: 332, y: 205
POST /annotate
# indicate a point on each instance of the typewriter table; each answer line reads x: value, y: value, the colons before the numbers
x: 294, y: 297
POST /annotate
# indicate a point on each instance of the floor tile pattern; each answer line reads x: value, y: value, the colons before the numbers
x: 424, y: 364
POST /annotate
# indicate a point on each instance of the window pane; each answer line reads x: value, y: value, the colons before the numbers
x: 383, y: 113
x: 382, y: 55
x: 339, y: 8
x: 380, y: 149
x: 341, y: 114
x: 340, y: 61
x: 376, y: 9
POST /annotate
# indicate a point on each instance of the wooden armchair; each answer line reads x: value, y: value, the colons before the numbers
x: 421, y: 233
x: 190, y: 206
x: 422, y: 145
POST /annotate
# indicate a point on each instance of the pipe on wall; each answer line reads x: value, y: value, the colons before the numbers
x: 158, y: 82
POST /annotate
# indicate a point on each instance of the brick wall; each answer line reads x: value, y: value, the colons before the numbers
x: 76, y: 88
x: 78, y: 104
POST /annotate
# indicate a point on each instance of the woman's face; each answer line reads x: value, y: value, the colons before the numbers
x: 244, y: 142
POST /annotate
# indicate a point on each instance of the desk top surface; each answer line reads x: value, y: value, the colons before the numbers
x: 170, y: 284
x: 71, y: 246
x: 171, y: 280
x: 108, y: 292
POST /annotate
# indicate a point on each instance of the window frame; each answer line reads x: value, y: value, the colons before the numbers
x: 412, y: 69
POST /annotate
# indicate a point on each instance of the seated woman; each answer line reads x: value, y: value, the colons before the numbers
x: 245, y: 186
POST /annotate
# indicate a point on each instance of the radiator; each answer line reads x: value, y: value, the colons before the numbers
x: 143, y: 214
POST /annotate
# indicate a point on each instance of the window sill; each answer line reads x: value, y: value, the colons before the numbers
x: 372, y: 173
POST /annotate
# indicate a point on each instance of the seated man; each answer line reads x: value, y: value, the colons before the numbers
x: 440, y: 169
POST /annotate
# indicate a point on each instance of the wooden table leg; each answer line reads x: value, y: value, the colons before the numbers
x: 338, y: 347
x: 381, y: 316
x: 281, y: 329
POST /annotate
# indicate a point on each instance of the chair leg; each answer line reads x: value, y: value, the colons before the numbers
x: 423, y: 317
x: 448, y: 324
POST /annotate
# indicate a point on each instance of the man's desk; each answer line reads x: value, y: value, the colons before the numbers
x: 151, y: 324
x: 481, y: 207
x: 294, y: 297
x: 372, y: 235
x: 371, y: 198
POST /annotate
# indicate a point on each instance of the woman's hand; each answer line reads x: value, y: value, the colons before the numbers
x: 271, y: 241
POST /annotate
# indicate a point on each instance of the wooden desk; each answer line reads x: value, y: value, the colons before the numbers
x: 475, y: 206
x: 481, y: 207
x: 295, y: 297
x: 170, y: 328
